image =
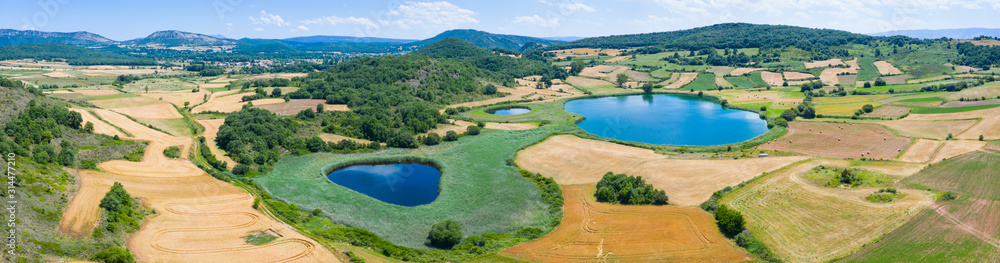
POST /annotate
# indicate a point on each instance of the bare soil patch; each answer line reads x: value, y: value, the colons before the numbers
x: 743, y: 71
x: 892, y: 112
x: 153, y: 111
x: 824, y: 63
x: 337, y: 138
x: 684, y: 79
x: 792, y: 75
x: 771, y: 78
x: 573, y: 160
x: 951, y: 149
x: 886, y: 69
x: 100, y: 126
x: 839, y: 140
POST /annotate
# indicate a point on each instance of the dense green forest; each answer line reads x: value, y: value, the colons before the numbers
x: 502, y: 68
x: 73, y: 55
x: 977, y: 56
x: 728, y: 35
x: 486, y: 40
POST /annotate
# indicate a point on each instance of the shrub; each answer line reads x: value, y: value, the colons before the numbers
x: 948, y: 196
x: 450, y: 136
x: 172, y: 152
x: 628, y: 190
x: 114, y: 255
x: 473, y: 130
x: 748, y: 241
x: 445, y: 234
x: 868, y: 108
x: 432, y: 139
x: 789, y: 115
x: 730, y: 221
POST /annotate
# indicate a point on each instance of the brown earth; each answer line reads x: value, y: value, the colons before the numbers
x: 152, y: 111
x: 600, y: 232
x: 293, y: 107
x: 934, y: 129
x: 684, y: 79
x: 743, y: 71
x: 771, y: 78
x: 100, y: 127
x: 824, y: 63
x: 885, y: 68
x: 839, y: 140
x: 791, y: 75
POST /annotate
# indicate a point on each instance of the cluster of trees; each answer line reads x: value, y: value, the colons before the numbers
x: 121, y: 211
x: 40, y: 123
x: 76, y: 56
x: 497, y: 67
x: 977, y: 56
x: 628, y: 190
x: 950, y: 87
x: 729, y: 58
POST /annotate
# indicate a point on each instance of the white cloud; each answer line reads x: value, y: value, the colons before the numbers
x: 430, y: 15
x: 258, y: 29
x: 571, y: 7
x: 552, y: 22
x: 269, y: 19
x: 334, y: 20
x: 303, y: 28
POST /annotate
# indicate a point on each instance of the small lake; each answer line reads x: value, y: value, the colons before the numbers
x: 511, y: 111
x: 666, y: 119
x: 407, y: 184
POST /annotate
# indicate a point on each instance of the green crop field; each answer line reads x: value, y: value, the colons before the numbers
x: 704, y: 81
x: 928, y: 110
x: 868, y: 71
x: 933, y: 237
x: 741, y: 82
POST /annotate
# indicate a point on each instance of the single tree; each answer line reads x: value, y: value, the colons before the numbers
x: 445, y: 234
x: 621, y: 79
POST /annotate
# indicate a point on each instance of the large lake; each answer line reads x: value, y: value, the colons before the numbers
x: 666, y: 119
x: 399, y: 184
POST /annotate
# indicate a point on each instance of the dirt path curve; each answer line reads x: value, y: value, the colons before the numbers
x: 198, y: 219
x: 966, y: 227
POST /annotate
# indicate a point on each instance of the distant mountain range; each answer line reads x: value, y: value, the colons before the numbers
x: 958, y: 33
x: 10, y: 37
x: 173, y: 38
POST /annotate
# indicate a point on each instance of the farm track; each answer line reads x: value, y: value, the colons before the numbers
x: 199, y: 218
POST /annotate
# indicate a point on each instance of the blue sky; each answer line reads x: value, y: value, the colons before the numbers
x: 122, y: 20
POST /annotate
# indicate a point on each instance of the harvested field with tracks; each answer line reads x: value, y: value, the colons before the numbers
x: 804, y: 222
x: 572, y: 160
x: 840, y: 141
x: 600, y: 232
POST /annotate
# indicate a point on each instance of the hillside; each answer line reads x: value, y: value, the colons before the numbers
x: 171, y: 38
x: 344, y: 39
x: 10, y: 37
x: 729, y: 35
x: 957, y: 33
x: 72, y: 55
x: 485, y: 39
x: 452, y: 48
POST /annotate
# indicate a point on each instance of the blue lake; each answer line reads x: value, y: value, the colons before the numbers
x: 666, y: 119
x: 511, y: 111
x: 399, y: 184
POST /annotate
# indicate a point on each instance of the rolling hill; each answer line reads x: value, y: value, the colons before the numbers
x: 485, y: 39
x: 957, y: 33
x: 728, y: 35
x: 10, y: 37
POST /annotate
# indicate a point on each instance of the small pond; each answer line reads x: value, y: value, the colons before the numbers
x: 666, y: 119
x: 404, y: 184
x: 511, y: 111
